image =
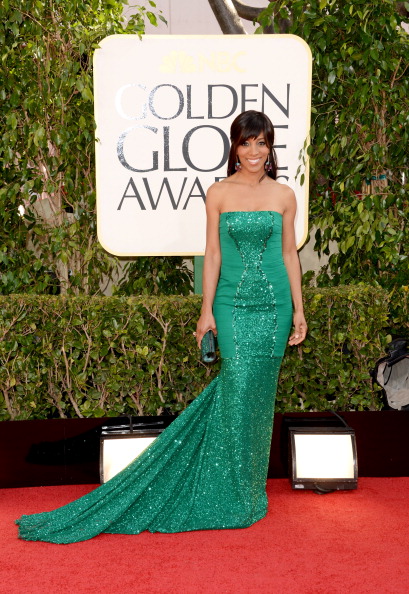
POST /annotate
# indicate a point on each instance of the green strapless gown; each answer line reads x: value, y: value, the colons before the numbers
x: 208, y: 469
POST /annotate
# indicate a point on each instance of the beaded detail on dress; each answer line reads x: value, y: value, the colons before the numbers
x: 255, y: 316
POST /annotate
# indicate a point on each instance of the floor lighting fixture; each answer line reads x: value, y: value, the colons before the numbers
x: 121, y: 444
x: 323, y: 458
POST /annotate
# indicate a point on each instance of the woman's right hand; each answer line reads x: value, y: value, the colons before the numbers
x: 205, y: 322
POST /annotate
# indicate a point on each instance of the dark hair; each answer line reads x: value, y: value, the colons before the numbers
x: 250, y: 124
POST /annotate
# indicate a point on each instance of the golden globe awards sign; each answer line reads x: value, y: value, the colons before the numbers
x: 164, y: 106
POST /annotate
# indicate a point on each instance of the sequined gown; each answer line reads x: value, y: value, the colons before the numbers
x: 208, y: 469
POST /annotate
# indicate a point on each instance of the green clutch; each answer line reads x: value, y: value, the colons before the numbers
x: 208, y: 347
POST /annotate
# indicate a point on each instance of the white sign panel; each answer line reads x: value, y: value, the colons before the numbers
x: 164, y: 106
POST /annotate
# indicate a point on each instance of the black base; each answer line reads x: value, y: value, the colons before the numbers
x: 66, y: 451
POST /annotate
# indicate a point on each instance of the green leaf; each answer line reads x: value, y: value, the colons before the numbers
x: 152, y: 19
x: 39, y: 135
x: 87, y: 94
x: 12, y: 120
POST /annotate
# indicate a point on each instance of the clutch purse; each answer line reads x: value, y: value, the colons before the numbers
x: 208, y: 347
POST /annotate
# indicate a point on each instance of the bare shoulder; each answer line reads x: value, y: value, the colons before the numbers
x: 215, y: 188
x: 214, y: 196
x: 215, y: 191
x: 285, y: 195
x: 219, y: 190
x: 282, y: 189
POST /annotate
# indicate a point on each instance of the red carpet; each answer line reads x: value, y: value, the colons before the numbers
x: 356, y: 541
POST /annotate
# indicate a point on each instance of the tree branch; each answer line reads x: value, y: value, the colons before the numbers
x: 249, y: 13
x: 227, y: 17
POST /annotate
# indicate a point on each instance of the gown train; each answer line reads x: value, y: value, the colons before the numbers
x: 208, y: 469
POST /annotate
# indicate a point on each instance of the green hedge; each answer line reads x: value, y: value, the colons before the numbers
x: 108, y: 356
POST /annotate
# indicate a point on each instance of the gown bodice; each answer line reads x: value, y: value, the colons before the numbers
x: 253, y: 302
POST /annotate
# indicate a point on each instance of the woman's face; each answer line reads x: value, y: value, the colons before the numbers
x: 252, y: 154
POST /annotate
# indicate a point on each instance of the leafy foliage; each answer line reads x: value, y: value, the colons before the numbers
x: 97, y: 356
x: 108, y: 356
x: 399, y: 312
x: 347, y: 334
x: 47, y: 145
x: 359, y: 137
x: 156, y: 275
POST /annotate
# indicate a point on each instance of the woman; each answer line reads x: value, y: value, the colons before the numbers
x: 208, y: 469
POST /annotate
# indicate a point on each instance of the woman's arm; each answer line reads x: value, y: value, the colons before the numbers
x: 292, y: 264
x: 211, y: 265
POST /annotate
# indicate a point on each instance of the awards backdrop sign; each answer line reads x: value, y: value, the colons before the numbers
x: 164, y: 106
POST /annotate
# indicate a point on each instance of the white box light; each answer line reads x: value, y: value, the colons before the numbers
x: 118, y: 451
x: 323, y: 459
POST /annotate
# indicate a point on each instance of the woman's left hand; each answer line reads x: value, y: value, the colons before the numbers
x: 300, y: 330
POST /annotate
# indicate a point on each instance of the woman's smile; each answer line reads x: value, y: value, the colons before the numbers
x: 253, y: 152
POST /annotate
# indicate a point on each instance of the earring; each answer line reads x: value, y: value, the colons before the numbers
x: 237, y: 166
x: 268, y: 165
